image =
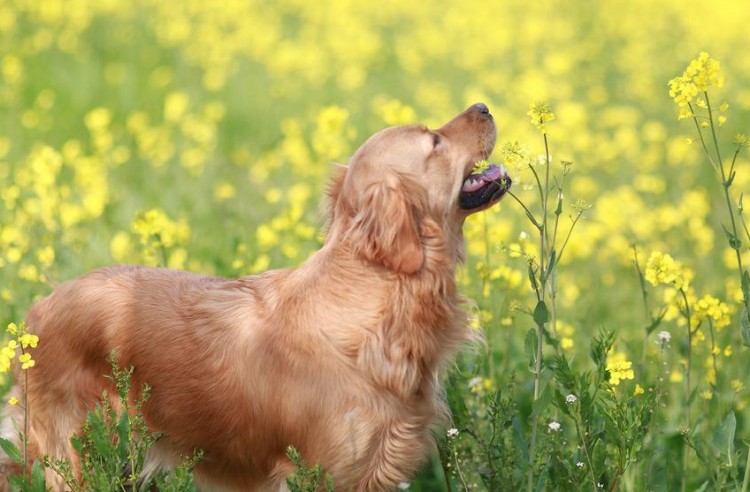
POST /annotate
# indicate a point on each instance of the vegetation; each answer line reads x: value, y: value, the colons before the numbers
x: 612, y: 285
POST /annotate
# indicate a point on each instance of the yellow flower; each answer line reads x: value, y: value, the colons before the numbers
x: 26, y: 361
x: 10, y: 348
x: 224, y: 191
x: 707, y: 394
x: 737, y: 385
x: 98, y: 119
x: 4, y: 362
x: 702, y: 72
x: 540, y: 114
x: 29, y: 340
x: 479, y: 384
x: 175, y: 106
x: 158, y: 232
x: 638, y: 390
x: 619, y: 369
x: 480, y: 167
x: 708, y: 307
x: 12, y: 400
x: 661, y: 268
x: 46, y: 256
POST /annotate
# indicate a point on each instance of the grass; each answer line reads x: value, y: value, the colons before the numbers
x: 202, y: 136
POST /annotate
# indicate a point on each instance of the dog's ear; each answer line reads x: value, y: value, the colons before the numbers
x: 386, y: 224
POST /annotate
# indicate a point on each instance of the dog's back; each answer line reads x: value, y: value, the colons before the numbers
x: 186, y: 334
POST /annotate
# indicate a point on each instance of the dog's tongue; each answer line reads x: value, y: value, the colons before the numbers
x: 476, y: 181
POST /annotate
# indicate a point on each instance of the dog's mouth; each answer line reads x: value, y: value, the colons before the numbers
x: 483, y: 189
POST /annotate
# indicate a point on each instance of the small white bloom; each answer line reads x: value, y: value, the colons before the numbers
x: 664, y: 336
x: 404, y: 485
x: 571, y: 398
x: 523, y: 236
x: 580, y: 464
x: 554, y: 426
x: 600, y: 485
x: 452, y: 432
x: 475, y: 382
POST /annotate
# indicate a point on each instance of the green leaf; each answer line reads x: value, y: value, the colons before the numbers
x: 550, y: 266
x: 531, y: 343
x: 723, y: 438
x: 519, y: 438
x: 745, y: 327
x: 11, y: 450
x: 734, y: 241
x: 730, y: 180
x: 541, y: 403
x: 38, y: 483
x: 703, y: 487
x: 541, y: 313
x: 655, y: 322
x: 532, y: 277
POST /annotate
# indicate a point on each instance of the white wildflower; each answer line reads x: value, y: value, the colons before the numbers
x: 664, y: 336
x: 475, y: 382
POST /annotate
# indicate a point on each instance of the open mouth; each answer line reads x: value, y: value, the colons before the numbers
x: 485, y: 188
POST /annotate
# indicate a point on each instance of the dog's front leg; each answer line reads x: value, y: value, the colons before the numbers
x: 397, y: 451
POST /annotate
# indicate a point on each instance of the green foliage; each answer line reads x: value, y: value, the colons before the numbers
x: 33, y: 482
x: 112, y: 447
x: 200, y: 135
x: 306, y: 479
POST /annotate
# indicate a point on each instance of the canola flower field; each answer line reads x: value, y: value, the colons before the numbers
x: 610, y: 286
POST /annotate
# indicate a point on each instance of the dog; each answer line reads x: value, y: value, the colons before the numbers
x: 341, y: 357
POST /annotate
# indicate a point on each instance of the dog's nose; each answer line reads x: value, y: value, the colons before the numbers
x: 481, y: 108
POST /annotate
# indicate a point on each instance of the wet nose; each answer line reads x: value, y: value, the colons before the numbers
x: 481, y: 108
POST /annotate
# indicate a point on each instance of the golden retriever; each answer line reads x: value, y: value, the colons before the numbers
x: 341, y: 357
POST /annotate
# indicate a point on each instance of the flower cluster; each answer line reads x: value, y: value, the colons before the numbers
x: 619, y: 368
x: 662, y: 269
x: 158, y: 234
x: 541, y: 114
x: 20, y: 338
x: 711, y: 308
x: 702, y: 72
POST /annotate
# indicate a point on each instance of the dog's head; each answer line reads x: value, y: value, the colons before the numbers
x: 408, y: 179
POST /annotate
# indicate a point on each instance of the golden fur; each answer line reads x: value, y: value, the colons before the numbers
x: 340, y: 357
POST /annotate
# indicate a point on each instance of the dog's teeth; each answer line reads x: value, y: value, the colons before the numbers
x: 472, y: 184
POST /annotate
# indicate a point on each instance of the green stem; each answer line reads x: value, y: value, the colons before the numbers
x: 746, y: 479
x: 713, y: 353
x: 686, y: 452
x: 713, y: 129
x: 537, y: 391
x: 567, y: 238
x: 25, y: 438
x: 543, y: 237
x: 726, y: 183
x: 528, y: 212
x: 585, y: 449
